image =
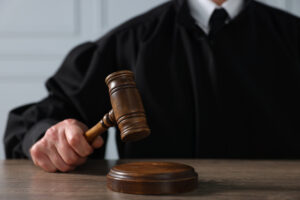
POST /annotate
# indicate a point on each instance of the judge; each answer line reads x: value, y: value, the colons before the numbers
x: 218, y: 79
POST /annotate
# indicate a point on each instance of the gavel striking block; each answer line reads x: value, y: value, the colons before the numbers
x: 152, y: 178
x: 127, y: 109
x: 128, y: 114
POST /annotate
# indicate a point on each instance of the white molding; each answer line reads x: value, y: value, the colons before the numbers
x: 29, y: 57
x: 41, y: 34
x: 294, y: 7
x: 104, y: 14
x: 28, y: 69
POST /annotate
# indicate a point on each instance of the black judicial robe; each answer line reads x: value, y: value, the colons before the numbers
x: 234, y: 95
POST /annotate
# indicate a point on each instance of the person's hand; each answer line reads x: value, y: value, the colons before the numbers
x: 63, y: 147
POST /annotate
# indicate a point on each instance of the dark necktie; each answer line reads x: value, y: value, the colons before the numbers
x: 217, y: 20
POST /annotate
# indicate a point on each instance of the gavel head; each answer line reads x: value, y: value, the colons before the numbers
x: 127, y: 106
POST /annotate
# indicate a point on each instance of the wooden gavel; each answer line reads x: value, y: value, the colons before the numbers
x: 127, y: 109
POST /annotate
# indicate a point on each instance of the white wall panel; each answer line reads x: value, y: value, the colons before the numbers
x: 45, y: 27
x: 36, y: 18
x: 27, y: 69
x: 293, y: 6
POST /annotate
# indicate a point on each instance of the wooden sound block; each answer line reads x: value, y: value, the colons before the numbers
x: 152, y: 178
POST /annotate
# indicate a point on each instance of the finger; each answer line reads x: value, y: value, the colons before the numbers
x: 74, y: 122
x: 58, y: 162
x: 81, y: 161
x: 40, y: 159
x: 34, y: 154
x: 98, y: 142
x: 82, y: 126
x: 68, y: 155
x: 77, y: 141
x: 45, y: 163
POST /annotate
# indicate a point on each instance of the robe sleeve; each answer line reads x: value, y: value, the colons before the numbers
x: 77, y: 90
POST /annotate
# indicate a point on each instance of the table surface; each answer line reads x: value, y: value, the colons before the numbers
x: 218, y: 179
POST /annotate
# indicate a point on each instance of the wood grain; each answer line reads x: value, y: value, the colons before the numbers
x: 218, y: 179
x: 127, y: 109
x: 152, y: 178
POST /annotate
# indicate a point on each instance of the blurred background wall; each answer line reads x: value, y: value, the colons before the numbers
x: 35, y: 36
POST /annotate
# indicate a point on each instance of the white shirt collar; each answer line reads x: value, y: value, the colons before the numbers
x: 201, y: 10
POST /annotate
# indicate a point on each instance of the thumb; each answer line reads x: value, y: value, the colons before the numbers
x: 98, y: 142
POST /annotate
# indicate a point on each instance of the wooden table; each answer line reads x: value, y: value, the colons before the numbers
x: 218, y: 179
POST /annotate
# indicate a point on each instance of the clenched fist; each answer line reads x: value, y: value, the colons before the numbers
x: 63, y: 147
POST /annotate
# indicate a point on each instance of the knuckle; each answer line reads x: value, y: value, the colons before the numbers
x: 71, y: 160
x: 52, y: 133
x: 74, y: 141
x: 35, y: 152
x: 55, y: 159
x: 70, y: 121
x: 44, y: 144
x: 51, y: 130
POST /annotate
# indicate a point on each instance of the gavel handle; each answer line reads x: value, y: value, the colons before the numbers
x: 107, y: 121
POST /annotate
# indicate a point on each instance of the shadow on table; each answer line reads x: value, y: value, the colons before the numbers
x: 211, y: 187
x: 96, y: 167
